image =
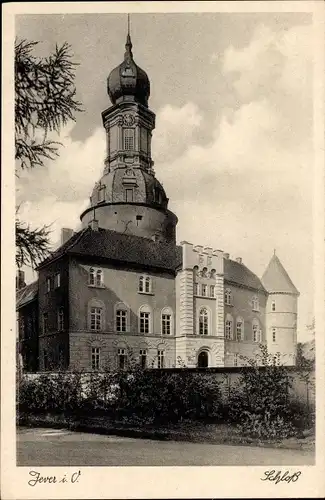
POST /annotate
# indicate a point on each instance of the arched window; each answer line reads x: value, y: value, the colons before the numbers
x: 273, y: 306
x: 256, y: 330
x: 203, y: 359
x: 255, y: 304
x: 96, y: 315
x: 239, y: 329
x: 228, y: 297
x: 203, y: 321
x: 121, y: 318
x: 166, y: 321
x: 128, y: 134
x: 229, y: 327
x: 145, y: 320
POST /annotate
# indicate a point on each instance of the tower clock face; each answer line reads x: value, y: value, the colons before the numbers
x: 128, y: 119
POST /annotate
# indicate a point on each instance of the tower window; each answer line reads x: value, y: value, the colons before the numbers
x: 129, y: 195
x: 204, y: 322
x: 204, y: 290
x: 211, y: 290
x: 273, y: 335
x: 128, y: 139
x: 95, y: 358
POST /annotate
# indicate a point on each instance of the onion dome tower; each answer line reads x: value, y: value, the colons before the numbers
x: 128, y: 198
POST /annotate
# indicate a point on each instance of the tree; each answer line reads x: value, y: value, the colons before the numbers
x: 45, y: 100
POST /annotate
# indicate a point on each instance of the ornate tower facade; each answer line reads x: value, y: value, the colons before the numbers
x: 281, y: 311
x: 128, y: 198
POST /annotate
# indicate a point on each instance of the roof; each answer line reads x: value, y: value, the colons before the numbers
x: 276, y: 279
x: 237, y: 273
x: 126, y: 248
x: 26, y: 294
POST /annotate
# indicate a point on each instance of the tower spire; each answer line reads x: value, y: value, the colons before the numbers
x: 128, y: 46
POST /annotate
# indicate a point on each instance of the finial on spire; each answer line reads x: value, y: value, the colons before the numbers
x: 274, y: 252
x: 128, y: 45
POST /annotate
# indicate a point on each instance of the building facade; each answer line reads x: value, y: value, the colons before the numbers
x: 122, y: 289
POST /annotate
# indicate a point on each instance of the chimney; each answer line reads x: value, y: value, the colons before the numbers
x: 93, y: 224
x: 239, y: 260
x: 20, y: 280
x: 226, y: 255
x: 66, y: 234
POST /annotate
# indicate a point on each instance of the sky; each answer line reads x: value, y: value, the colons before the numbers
x: 233, y: 144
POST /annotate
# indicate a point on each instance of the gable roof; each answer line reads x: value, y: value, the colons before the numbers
x: 127, y: 248
x: 26, y: 294
x: 238, y: 274
x: 276, y: 279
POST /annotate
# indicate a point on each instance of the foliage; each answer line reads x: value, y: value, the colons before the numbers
x: 45, y: 100
x: 259, y: 403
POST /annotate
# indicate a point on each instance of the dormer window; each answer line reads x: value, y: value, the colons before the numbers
x: 95, y: 277
x: 255, y: 304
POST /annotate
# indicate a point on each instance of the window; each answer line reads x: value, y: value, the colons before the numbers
x: 99, y: 277
x: 196, y: 289
x: 144, y: 322
x: 228, y: 327
x: 129, y: 195
x: 212, y: 287
x: 95, y: 358
x: 143, y: 358
x: 121, y: 320
x: 161, y: 359
x: 273, y: 306
x: 101, y: 192
x: 228, y: 297
x: 121, y: 358
x: 166, y: 323
x: 95, y: 277
x: 204, y: 290
x: 96, y: 318
x: 57, y: 280
x: 256, y: 332
x: 203, y: 322
x: 60, y: 319
x: 128, y: 139
x: 273, y: 335
x: 255, y: 304
x: 48, y: 284
x: 145, y: 284
x: 45, y: 323
x: 239, y: 329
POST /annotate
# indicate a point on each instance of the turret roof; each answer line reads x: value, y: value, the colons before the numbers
x: 276, y: 279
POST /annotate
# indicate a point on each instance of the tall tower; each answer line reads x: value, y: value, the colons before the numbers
x: 281, y: 311
x: 128, y: 198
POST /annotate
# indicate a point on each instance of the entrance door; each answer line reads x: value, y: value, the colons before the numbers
x: 203, y: 360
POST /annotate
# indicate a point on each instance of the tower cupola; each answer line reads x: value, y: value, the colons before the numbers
x: 127, y: 81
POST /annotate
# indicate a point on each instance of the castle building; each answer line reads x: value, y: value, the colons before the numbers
x: 121, y: 288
